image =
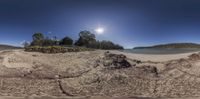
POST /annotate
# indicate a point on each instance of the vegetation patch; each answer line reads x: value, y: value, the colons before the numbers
x: 86, y: 39
x: 86, y: 42
x: 56, y: 49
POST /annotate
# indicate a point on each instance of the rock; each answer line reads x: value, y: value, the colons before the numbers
x: 57, y: 76
x: 184, y: 63
x: 194, y: 57
x: 138, y: 61
x: 149, y: 69
x: 115, y: 61
x: 34, y: 55
x: 134, y: 61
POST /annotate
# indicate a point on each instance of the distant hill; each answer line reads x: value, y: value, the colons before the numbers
x: 6, y: 47
x: 172, y: 45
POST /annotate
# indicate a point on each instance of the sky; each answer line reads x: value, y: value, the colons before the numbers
x: 126, y: 22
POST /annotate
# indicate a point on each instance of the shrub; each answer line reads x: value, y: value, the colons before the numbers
x: 55, y: 49
x: 37, y: 39
x: 66, y: 41
x: 104, y: 45
x: 85, y: 38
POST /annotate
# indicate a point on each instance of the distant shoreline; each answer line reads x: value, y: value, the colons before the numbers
x: 171, y: 45
x: 161, y: 51
x: 8, y: 47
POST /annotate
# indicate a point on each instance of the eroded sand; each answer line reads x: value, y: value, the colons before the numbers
x: 80, y: 74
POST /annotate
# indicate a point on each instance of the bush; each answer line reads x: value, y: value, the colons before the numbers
x: 85, y: 38
x: 55, y: 49
x: 66, y: 41
x: 37, y: 39
x: 104, y: 45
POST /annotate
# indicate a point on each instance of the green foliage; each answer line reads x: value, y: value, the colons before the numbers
x: 49, y: 42
x: 36, y: 43
x: 38, y: 36
x: 66, y: 41
x: 85, y: 38
x: 104, y: 45
x: 37, y: 39
x: 55, y: 49
x: 109, y: 45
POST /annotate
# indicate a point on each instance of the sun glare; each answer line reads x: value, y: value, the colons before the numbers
x: 99, y: 30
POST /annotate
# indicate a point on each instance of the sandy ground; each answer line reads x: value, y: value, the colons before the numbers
x: 20, y: 58
x: 154, y: 58
x: 79, y: 74
x: 46, y: 97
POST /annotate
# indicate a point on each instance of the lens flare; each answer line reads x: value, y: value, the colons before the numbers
x: 99, y: 30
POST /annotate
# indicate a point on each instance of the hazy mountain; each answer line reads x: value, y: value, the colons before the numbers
x: 5, y: 47
x: 172, y: 45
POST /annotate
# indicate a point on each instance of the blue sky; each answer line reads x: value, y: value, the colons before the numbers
x: 127, y: 22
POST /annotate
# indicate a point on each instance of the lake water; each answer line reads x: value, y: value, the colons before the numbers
x: 162, y: 50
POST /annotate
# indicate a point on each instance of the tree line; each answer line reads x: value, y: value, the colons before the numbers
x: 86, y: 39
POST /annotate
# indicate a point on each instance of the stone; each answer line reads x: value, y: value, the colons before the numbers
x: 194, y: 57
x: 115, y: 61
x: 149, y: 69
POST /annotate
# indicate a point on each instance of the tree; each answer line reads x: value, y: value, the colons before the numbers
x: 38, y: 36
x: 85, y: 38
x: 66, y: 41
x: 48, y: 42
x: 37, y: 39
x: 104, y: 45
x: 110, y: 45
x: 56, y: 41
x: 95, y: 45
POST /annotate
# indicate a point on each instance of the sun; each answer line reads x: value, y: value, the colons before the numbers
x: 99, y: 30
